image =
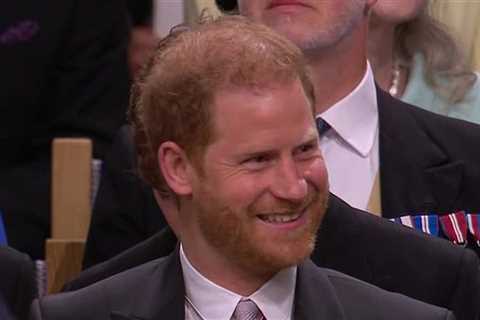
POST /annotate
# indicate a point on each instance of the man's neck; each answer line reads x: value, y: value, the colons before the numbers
x: 221, y: 271
x: 337, y: 71
x: 380, y: 51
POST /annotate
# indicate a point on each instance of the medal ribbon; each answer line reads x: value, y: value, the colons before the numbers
x: 454, y: 225
x: 473, y: 220
x: 426, y: 223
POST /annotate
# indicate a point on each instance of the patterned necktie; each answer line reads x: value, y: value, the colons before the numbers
x: 322, y: 126
x: 247, y: 310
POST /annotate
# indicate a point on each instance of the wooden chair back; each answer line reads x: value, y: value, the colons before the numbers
x: 71, y: 210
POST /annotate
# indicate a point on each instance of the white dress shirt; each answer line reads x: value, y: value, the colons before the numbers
x: 350, y: 150
x: 212, y: 302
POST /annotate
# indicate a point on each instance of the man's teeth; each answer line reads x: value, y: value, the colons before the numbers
x: 280, y: 218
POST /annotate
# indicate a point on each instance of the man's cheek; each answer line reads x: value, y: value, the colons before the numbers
x: 317, y: 174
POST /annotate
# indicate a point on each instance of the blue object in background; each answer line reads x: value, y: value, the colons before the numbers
x: 3, y: 233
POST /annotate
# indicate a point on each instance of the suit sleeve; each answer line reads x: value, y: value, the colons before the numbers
x: 35, y: 313
x: 91, y: 79
x: 466, y: 297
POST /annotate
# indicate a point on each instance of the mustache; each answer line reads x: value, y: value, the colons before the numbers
x: 285, y: 206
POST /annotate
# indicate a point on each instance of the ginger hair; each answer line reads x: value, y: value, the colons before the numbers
x: 172, y: 98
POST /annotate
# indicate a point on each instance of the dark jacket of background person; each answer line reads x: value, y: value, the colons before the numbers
x: 63, y: 73
x: 17, y: 283
x: 125, y: 212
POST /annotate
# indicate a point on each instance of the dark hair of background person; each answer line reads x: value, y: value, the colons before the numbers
x: 226, y: 5
x: 140, y: 12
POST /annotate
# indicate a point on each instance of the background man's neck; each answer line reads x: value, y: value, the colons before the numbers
x: 337, y: 71
x: 380, y: 52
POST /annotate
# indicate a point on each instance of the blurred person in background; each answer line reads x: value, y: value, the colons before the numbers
x: 462, y: 18
x: 64, y: 73
x: 17, y: 284
x: 142, y: 38
x: 416, y: 60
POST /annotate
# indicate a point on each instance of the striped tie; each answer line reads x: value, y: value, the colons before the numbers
x: 247, y: 310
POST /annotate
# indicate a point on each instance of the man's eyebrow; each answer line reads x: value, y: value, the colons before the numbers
x: 309, y: 138
x: 307, y: 141
x: 311, y: 135
x: 254, y: 154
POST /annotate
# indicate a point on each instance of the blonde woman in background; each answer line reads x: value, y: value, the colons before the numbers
x: 462, y: 18
x: 417, y: 61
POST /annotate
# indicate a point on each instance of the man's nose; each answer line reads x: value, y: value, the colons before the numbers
x: 289, y: 182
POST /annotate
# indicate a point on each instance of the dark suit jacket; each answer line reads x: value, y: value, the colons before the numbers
x: 364, y: 246
x: 155, y: 290
x: 17, y: 284
x: 63, y: 73
x: 428, y: 162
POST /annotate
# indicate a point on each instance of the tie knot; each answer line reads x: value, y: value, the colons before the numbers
x: 322, y: 126
x: 247, y: 310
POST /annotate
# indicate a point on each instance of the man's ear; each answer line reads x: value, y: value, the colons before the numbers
x: 175, y: 167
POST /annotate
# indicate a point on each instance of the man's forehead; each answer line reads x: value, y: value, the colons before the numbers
x: 252, y: 142
x: 227, y: 93
x: 245, y: 112
x: 236, y: 97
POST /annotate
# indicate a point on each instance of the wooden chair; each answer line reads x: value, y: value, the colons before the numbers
x: 71, y: 210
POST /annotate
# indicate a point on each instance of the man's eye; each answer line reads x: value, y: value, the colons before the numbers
x: 304, y: 151
x: 261, y: 158
x: 257, y: 162
x: 306, y: 148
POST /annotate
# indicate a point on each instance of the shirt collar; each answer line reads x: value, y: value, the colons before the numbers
x: 275, y: 298
x: 355, y: 117
x: 212, y: 302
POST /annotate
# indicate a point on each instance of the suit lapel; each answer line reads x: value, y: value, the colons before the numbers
x: 162, y: 296
x: 416, y: 175
x: 315, y: 297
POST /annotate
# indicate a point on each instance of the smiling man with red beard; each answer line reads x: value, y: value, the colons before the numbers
x: 259, y: 190
x: 224, y: 124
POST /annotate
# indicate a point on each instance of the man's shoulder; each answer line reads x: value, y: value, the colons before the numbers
x: 17, y: 280
x: 375, y: 232
x: 361, y: 300
x: 439, y: 122
x: 11, y: 257
x: 101, y: 299
x: 159, y: 245
x: 441, y: 129
x: 393, y: 256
